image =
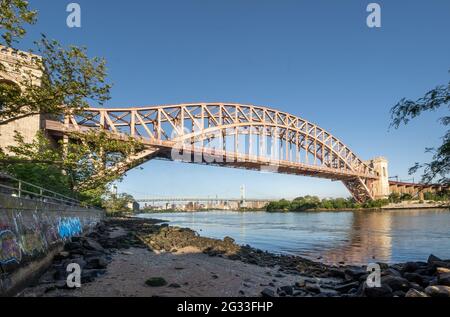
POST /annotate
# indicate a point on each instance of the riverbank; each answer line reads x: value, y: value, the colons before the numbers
x: 413, y: 205
x: 140, y: 257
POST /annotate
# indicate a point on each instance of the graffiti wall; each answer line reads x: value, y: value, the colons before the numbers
x: 28, y: 230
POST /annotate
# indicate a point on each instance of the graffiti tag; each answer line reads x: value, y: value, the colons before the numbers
x: 9, y: 248
x: 69, y: 227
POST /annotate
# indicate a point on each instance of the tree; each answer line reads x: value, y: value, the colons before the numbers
x: 13, y: 15
x: 57, y: 81
x: 117, y: 203
x: 84, y: 166
x: 438, y: 169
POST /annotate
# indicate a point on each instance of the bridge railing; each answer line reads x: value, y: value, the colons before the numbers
x: 18, y: 188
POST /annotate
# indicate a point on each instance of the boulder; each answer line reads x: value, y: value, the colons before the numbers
x: 438, y: 291
x: 300, y: 283
x: 391, y: 271
x: 444, y: 279
x: 416, y: 278
x: 97, y: 263
x: 441, y: 270
x: 396, y: 283
x: 432, y: 259
x: 415, y: 293
x: 410, y: 267
x: 383, y: 291
x: 313, y: 288
x: 289, y: 290
x: 91, y: 244
x: 354, y: 273
x: 267, y: 292
x: 345, y: 288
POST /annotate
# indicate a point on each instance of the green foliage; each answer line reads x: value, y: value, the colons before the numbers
x: 281, y: 205
x: 13, y: 15
x: 439, y: 168
x: 406, y: 196
x: 394, y: 198
x: 83, y: 165
x: 117, y: 204
x: 315, y: 203
x: 63, y: 81
x: 378, y: 203
x: 440, y: 196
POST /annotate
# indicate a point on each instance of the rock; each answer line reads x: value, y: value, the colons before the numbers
x: 313, y: 288
x: 432, y: 258
x: 442, y: 264
x: 300, y: 283
x: 289, y: 290
x: 396, y: 283
x: 441, y: 270
x: 444, y: 279
x: 97, y: 263
x: 344, y: 288
x: 88, y: 276
x: 267, y: 292
x: 417, y: 287
x: 416, y: 278
x: 91, y: 244
x: 383, y: 291
x: 228, y: 240
x: 61, y: 284
x: 62, y: 255
x: 411, y: 267
x: 383, y: 266
x: 438, y: 291
x: 399, y: 294
x: 174, y: 285
x: 415, y: 293
x: 71, y: 246
x: 393, y: 272
x: 336, y: 273
x: 355, y: 273
x: 156, y: 282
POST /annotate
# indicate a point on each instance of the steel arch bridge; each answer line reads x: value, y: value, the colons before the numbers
x: 231, y: 135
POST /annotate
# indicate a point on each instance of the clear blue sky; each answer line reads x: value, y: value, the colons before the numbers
x: 314, y: 59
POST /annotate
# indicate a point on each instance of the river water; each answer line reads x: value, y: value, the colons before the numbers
x: 353, y: 237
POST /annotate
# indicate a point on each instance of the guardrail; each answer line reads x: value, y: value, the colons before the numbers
x: 19, y: 188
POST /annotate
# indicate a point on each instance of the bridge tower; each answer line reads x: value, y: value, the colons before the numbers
x: 15, y: 65
x: 380, y: 187
x: 242, y: 203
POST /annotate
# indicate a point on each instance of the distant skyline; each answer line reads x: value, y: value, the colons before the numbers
x: 314, y: 59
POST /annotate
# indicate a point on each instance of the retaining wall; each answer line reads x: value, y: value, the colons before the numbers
x: 31, y: 232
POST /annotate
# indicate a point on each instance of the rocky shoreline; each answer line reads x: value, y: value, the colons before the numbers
x: 95, y: 251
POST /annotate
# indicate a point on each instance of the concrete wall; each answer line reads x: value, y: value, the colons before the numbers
x: 31, y: 232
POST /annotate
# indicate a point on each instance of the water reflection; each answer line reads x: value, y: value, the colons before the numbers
x: 369, y: 240
x: 345, y: 236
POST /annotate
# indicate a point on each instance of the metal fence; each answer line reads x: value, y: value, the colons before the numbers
x: 18, y: 188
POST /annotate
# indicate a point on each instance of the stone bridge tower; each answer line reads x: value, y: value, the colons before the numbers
x: 15, y: 66
x: 380, y: 187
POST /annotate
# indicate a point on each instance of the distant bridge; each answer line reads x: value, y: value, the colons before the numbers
x: 200, y: 199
